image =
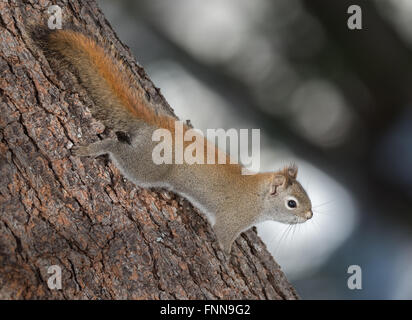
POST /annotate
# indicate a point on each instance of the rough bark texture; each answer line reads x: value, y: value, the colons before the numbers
x: 111, y: 239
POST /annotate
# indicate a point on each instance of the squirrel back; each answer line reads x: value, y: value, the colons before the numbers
x: 119, y: 100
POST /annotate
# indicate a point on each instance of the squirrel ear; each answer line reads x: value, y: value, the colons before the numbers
x: 292, y: 171
x: 279, y: 181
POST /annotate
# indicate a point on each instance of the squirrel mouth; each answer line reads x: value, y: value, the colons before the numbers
x: 309, y: 215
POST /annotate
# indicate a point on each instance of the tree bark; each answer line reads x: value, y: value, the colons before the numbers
x: 111, y: 239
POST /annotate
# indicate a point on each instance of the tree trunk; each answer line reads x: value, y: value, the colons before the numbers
x: 111, y: 239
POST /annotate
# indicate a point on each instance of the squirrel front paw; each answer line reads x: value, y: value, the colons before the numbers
x: 224, y: 237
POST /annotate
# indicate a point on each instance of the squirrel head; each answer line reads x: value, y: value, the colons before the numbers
x: 286, y: 200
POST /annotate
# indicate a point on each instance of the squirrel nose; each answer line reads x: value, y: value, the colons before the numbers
x: 309, y: 214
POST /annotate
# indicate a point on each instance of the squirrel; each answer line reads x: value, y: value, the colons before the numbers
x: 232, y: 202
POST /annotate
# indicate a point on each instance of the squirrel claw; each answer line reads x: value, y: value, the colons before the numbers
x: 80, y: 151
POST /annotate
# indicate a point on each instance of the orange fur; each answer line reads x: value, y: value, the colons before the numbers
x: 109, y: 70
x: 78, y: 48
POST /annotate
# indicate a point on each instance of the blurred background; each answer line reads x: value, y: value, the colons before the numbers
x: 335, y: 101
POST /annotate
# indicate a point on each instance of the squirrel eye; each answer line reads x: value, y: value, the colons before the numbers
x: 292, y: 204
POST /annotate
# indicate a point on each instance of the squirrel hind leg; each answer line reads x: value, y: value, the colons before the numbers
x: 124, y: 137
x: 94, y: 149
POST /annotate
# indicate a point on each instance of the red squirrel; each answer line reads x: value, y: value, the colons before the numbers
x: 232, y: 202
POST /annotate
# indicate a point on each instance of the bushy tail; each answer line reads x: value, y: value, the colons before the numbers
x: 117, y: 96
